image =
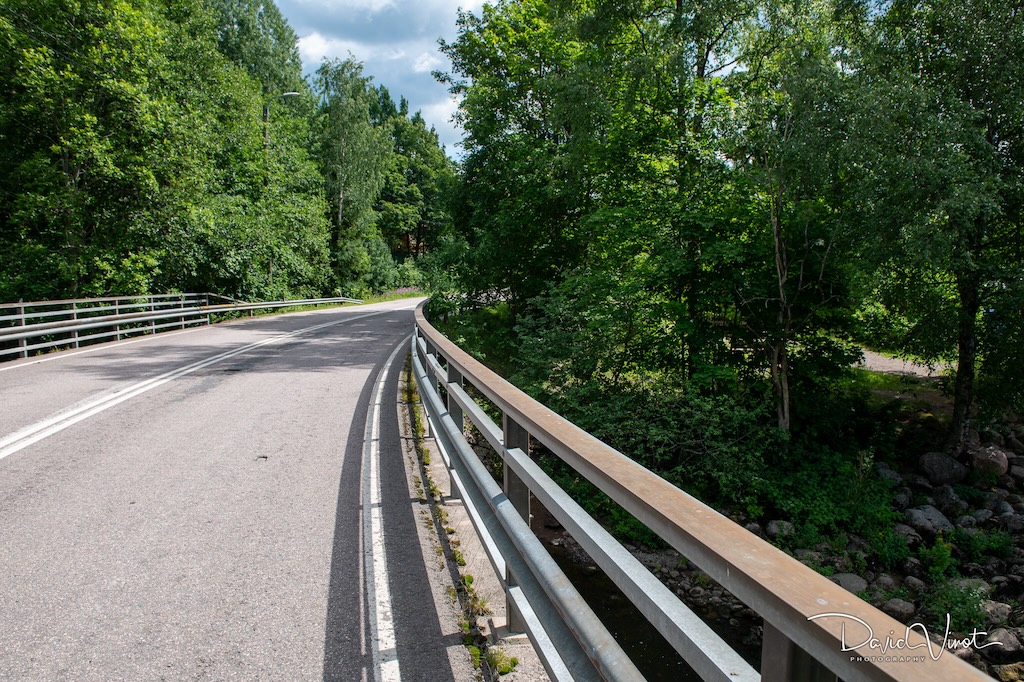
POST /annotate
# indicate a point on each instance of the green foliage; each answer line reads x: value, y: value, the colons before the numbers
x: 474, y: 655
x: 960, y: 601
x: 889, y: 549
x: 501, y: 662
x: 164, y: 145
x: 977, y: 546
x: 938, y: 559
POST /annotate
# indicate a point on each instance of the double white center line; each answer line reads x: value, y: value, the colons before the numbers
x: 36, y: 432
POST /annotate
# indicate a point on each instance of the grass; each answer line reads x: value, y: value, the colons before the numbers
x: 395, y: 295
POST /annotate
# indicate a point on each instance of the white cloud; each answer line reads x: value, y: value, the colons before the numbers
x: 427, y: 62
x: 396, y: 40
x: 314, y: 47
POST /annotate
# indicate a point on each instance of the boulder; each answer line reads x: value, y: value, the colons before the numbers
x: 900, y: 609
x: 990, y: 461
x: 948, y: 501
x: 911, y: 566
x: 887, y: 473
x: 1001, y: 646
x: 965, y: 521
x: 941, y: 469
x: 1011, y: 523
x: 901, y: 499
x: 777, y: 529
x: 912, y: 537
x: 1015, y: 445
x: 915, y: 585
x: 1003, y: 508
x: 927, y: 520
x: 982, y: 515
x: 884, y: 583
x: 996, y: 613
x: 851, y: 582
x: 1014, y: 672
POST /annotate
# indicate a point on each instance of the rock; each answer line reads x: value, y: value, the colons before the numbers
x: 1015, y: 445
x: 901, y: 499
x: 885, y: 472
x: 899, y: 609
x: 808, y: 556
x: 911, y: 566
x: 1013, y: 672
x: 965, y: 521
x: 1011, y: 523
x: 982, y: 515
x: 941, y: 469
x: 991, y: 436
x: 919, y: 482
x: 990, y: 461
x: 1001, y: 646
x: 778, y: 529
x: 851, y: 582
x: 912, y: 537
x: 754, y: 528
x: 1003, y: 508
x: 915, y: 585
x: 1017, y: 471
x: 927, y: 520
x: 884, y: 583
x: 948, y: 501
x: 988, y: 500
x: 996, y: 613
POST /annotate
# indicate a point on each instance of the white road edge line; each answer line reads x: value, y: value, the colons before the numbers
x: 371, y: 540
x: 36, y: 432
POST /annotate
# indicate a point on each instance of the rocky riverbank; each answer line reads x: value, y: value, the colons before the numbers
x: 959, y: 550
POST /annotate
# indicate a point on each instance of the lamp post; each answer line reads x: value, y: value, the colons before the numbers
x: 266, y: 118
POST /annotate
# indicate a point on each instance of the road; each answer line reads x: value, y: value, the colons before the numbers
x: 216, y: 504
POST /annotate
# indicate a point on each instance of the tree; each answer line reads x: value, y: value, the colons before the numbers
x: 944, y: 171
x: 353, y: 155
x: 411, y: 208
x: 135, y: 159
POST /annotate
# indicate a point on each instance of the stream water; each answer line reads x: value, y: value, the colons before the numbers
x: 654, y: 656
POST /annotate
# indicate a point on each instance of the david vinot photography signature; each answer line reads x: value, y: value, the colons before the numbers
x: 882, y: 648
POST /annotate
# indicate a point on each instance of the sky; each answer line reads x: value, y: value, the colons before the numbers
x: 397, y: 42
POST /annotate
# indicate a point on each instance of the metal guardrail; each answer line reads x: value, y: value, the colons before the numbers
x: 811, y: 629
x: 74, y: 322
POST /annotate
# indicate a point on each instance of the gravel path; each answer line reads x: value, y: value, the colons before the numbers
x: 883, y: 363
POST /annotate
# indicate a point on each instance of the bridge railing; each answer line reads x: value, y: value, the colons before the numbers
x: 814, y: 630
x: 31, y: 326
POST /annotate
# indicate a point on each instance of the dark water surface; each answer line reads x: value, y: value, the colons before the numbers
x: 651, y: 654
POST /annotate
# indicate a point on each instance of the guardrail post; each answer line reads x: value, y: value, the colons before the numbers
x: 181, y: 304
x: 455, y: 411
x: 21, y: 323
x: 117, y: 311
x: 518, y: 494
x: 784, y: 661
x: 152, y: 309
x: 74, y: 316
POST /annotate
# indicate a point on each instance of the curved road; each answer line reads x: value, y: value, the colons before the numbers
x: 215, y: 504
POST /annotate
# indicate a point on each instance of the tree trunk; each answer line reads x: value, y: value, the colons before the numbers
x: 967, y: 348
x: 780, y: 382
x: 780, y: 349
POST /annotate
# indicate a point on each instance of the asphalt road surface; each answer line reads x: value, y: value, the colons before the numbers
x: 223, y: 503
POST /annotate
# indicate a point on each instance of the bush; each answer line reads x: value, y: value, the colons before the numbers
x: 960, y: 600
